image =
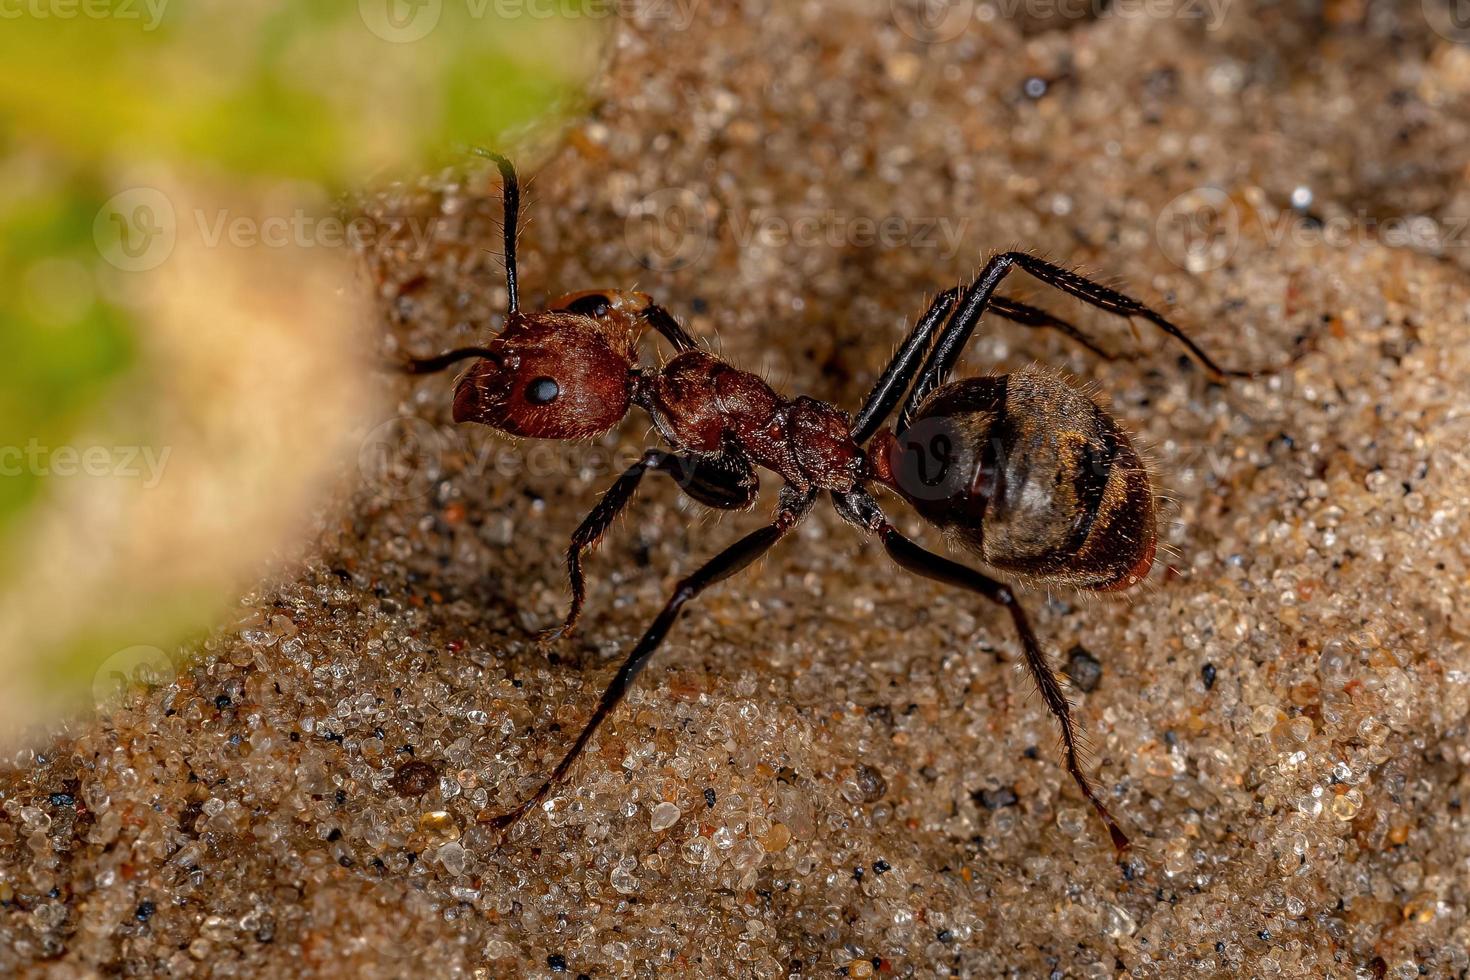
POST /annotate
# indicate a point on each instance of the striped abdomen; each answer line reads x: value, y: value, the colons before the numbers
x: 1031, y: 475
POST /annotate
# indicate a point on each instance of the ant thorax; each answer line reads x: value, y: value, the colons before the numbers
x: 700, y: 404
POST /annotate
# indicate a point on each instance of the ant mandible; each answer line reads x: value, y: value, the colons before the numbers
x: 1023, y: 470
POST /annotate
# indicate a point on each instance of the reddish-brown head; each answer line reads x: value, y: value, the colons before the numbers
x: 563, y: 373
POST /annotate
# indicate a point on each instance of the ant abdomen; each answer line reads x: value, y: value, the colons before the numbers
x: 1031, y: 475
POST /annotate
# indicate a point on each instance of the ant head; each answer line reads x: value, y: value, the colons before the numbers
x: 562, y: 373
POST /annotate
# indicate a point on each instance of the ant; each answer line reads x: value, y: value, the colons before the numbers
x: 1023, y: 470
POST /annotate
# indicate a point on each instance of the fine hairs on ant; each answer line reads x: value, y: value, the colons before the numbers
x: 1022, y: 470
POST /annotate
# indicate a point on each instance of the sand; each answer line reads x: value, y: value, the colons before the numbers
x: 834, y: 769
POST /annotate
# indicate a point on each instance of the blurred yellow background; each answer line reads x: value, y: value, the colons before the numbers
x: 185, y: 338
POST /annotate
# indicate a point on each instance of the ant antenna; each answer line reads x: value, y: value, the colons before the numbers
x: 512, y: 197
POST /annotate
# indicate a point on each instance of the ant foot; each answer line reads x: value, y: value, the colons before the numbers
x: 554, y: 634
x: 505, y: 821
x: 502, y: 824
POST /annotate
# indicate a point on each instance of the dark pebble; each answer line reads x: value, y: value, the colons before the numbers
x: 1083, y: 668
x: 994, y: 799
x: 870, y: 783
x: 414, y: 778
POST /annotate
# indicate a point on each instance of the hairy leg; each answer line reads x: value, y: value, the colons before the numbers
x: 980, y: 297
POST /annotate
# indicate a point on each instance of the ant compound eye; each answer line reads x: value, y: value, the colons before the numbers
x: 542, y: 391
x: 595, y: 306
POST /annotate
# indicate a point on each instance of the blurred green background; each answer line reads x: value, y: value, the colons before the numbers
x: 318, y: 96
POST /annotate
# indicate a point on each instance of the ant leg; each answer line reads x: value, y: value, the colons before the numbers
x: 733, y: 559
x: 1100, y: 296
x: 859, y: 508
x: 941, y: 569
x: 1031, y: 316
x: 900, y: 370
x: 946, y: 350
x: 511, y: 196
x: 981, y: 294
x: 663, y: 321
x: 432, y: 365
x: 725, y: 483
